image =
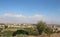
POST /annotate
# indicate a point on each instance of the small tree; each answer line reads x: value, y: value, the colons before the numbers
x: 41, y: 26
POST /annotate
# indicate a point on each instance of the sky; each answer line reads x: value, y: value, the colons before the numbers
x: 30, y: 11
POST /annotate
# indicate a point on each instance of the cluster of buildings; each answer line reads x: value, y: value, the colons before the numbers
x: 24, y: 25
x: 2, y: 25
x: 55, y: 28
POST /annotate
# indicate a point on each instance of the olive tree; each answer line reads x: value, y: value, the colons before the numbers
x: 41, y: 27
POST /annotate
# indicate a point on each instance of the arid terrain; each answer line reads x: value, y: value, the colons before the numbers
x: 52, y: 35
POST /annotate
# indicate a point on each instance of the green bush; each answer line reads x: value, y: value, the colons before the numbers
x: 20, y: 32
x: 35, y: 33
x: 48, y: 31
x: 31, y: 31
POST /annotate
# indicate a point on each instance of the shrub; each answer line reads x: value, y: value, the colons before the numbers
x: 31, y: 31
x: 35, y: 33
x: 48, y: 31
x: 20, y: 32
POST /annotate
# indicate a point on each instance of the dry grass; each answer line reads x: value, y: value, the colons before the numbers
x: 44, y: 35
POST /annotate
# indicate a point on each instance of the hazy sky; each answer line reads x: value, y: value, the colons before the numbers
x: 30, y: 11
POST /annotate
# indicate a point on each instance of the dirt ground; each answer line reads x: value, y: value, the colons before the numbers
x: 52, y: 35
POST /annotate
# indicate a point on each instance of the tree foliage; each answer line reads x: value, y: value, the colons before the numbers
x: 41, y: 26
